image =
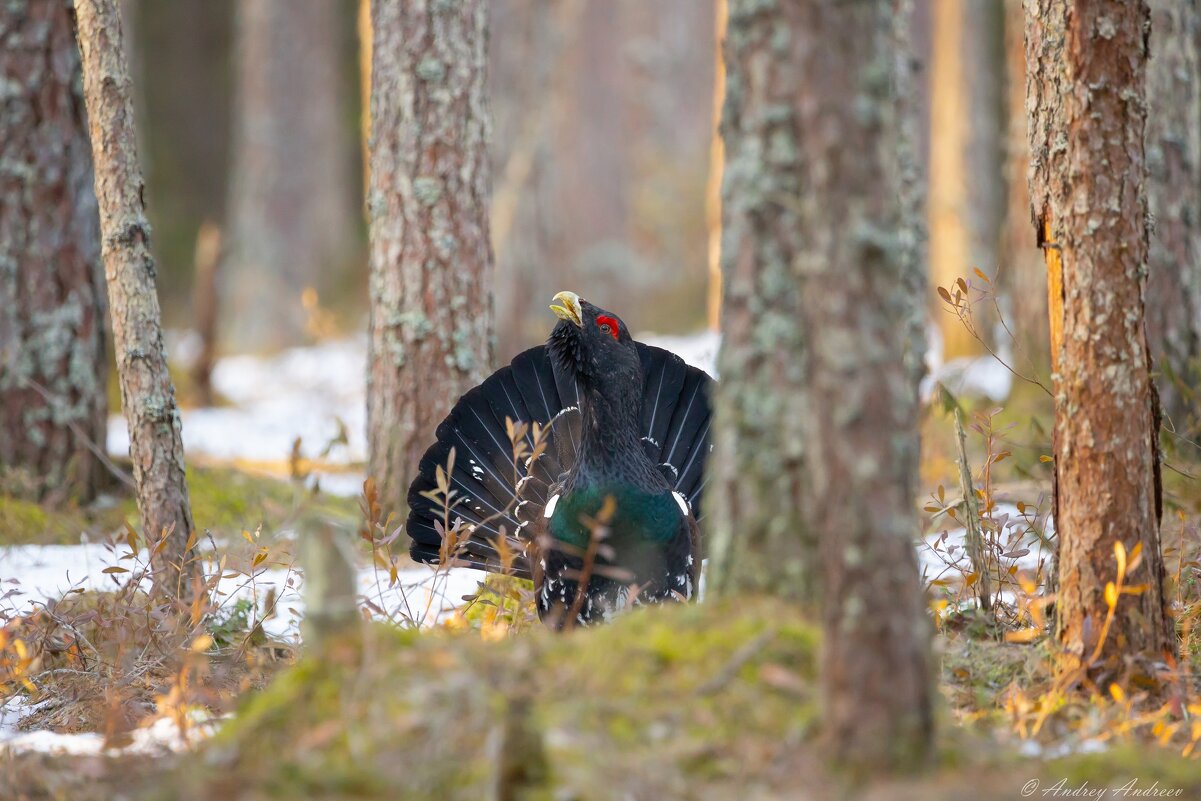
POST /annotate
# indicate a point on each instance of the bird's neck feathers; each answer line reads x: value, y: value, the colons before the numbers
x: 610, y: 413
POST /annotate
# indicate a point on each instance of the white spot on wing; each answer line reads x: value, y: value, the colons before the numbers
x: 550, y: 506
x: 682, y: 502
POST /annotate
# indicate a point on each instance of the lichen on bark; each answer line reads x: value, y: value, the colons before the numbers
x: 431, y: 258
x: 816, y: 414
x: 53, y: 402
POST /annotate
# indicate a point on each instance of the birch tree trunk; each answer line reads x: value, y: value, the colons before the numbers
x: 291, y: 208
x: 53, y: 374
x: 1086, y: 85
x: 147, y: 395
x: 1174, y: 198
x: 817, y: 407
x: 431, y: 260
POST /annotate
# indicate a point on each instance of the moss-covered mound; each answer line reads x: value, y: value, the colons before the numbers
x: 715, y: 701
x: 663, y: 701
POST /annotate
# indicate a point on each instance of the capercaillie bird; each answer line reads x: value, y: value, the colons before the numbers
x: 610, y: 499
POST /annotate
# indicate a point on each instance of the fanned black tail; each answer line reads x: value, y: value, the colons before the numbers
x: 493, y: 494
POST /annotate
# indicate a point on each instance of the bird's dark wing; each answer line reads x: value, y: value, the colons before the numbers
x: 675, y: 420
x: 485, y: 478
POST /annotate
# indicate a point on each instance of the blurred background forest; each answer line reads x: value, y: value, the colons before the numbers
x: 602, y: 128
x: 602, y: 149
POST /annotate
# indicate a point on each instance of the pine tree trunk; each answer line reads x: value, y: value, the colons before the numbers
x: 1174, y: 199
x: 1086, y: 88
x: 53, y: 383
x: 147, y: 394
x: 431, y: 260
x: 817, y: 408
x: 291, y: 208
x: 1022, y: 271
x: 965, y: 156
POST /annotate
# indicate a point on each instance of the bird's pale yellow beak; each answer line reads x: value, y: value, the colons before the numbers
x: 567, y: 307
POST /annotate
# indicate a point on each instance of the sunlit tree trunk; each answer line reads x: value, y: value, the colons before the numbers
x: 1022, y: 272
x: 1174, y: 199
x: 965, y: 158
x: 53, y: 401
x: 1087, y: 102
x: 816, y: 413
x: 431, y: 260
x: 717, y: 160
x: 291, y: 212
x: 147, y: 395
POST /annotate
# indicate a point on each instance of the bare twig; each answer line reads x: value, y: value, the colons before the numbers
x: 974, y: 538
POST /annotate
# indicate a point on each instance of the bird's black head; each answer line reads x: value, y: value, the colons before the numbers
x: 594, y: 346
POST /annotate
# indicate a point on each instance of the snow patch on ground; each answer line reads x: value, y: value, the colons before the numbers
x: 159, y: 737
x: 1020, y: 537
x: 970, y: 376
x: 40, y: 573
x: 300, y: 392
x: 310, y: 393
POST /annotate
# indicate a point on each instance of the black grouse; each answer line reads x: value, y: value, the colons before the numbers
x: 607, y: 486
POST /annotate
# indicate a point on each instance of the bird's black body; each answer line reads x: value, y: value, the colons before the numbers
x: 613, y: 494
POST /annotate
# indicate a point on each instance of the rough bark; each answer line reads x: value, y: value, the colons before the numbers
x: 1086, y: 89
x: 53, y: 402
x: 1023, y: 275
x: 147, y: 394
x: 817, y: 410
x: 965, y: 154
x: 1174, y: 198
x: 291, y: 208
x: 431, y: 260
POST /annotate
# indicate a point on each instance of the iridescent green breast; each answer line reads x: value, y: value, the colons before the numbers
x: 639, y: 517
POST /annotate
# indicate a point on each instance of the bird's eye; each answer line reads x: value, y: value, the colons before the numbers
x: 607, y: 325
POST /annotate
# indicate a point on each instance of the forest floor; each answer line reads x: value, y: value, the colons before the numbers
x: 698, y: 702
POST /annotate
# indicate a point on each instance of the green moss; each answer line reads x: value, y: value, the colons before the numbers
x: 24, y: 522
x: 224, y: 501
x: 641, y: 707
x: 1117, y: 766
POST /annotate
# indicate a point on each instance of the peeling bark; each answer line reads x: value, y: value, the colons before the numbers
x: 431, y: 261
x: 1174, y: 199
x: 817, y: 410
x: 147, y: 394
x: 1086, y: 88
x: 53, y: 373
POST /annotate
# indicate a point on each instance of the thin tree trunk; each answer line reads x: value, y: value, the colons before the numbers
x: 1086, y: 88
x: 1174, y: 199
x: 1023, y: 273
x: 817, y: 409
x: 965, y: 156
x: 205, y: 309
x: 147, y: 395
x: 53, y: 373
x: 717, y: 160
x: 291, y: 208
x: 431, y: 260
